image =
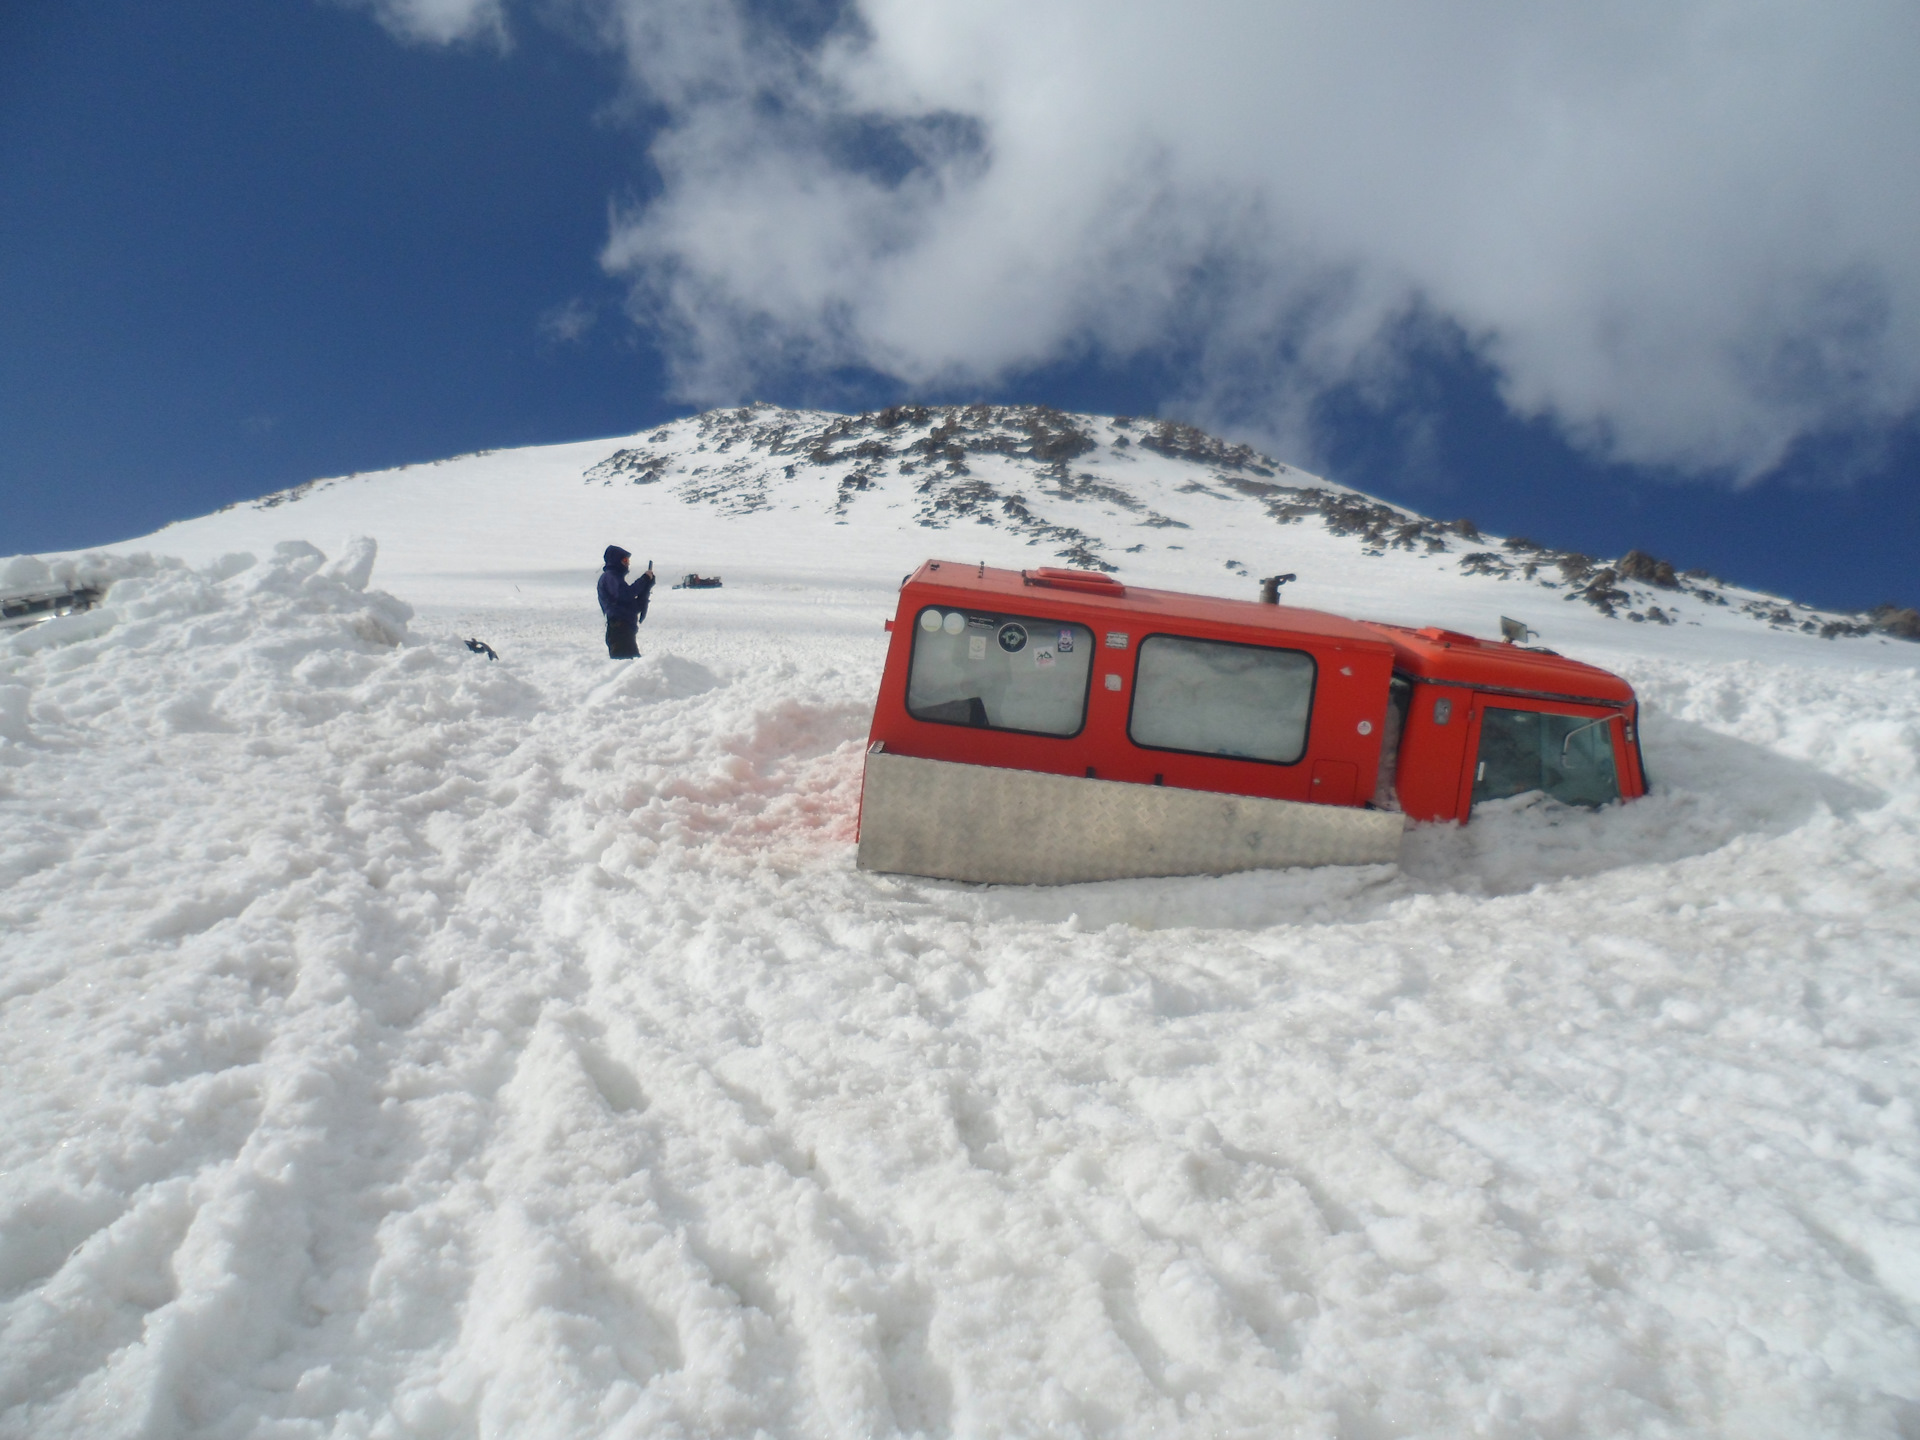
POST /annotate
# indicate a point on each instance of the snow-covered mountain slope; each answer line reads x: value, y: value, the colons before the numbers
x: 402, y: 1043
x: 831, y: 499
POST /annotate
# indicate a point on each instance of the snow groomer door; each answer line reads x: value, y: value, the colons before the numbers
x: 1568, y: 755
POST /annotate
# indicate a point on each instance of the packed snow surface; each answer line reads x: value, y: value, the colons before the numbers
x: 399, y: 1043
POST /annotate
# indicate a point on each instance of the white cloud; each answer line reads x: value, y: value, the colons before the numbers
x: 567, y: 323
x: 440, y: 22
x: 1687, y: 230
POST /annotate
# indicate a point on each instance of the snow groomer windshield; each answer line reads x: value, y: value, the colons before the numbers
x: 999, y: 672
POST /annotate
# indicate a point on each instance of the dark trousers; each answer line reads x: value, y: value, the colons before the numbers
x: 623, y: 639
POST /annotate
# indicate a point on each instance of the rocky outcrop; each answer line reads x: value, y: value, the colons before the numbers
x: 938, y: 449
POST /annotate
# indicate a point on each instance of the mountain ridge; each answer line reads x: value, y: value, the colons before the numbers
x: 936, y: 452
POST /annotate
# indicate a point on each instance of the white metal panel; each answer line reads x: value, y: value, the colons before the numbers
x: 1018, y: 827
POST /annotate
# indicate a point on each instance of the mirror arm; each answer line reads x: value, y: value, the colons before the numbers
x: 1581, y: 729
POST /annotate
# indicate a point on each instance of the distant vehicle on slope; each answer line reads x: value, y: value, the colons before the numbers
x: 22, y: 609
x: 1048, y: 726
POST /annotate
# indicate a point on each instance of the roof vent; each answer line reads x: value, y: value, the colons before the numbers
x: 1091, y: 581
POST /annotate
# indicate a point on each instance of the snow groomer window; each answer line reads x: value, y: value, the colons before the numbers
x: 1213, y: 698
x: 999, y: 672
x: 1569, y: 757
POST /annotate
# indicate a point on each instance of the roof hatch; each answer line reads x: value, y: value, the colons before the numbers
x: 1090, y: 581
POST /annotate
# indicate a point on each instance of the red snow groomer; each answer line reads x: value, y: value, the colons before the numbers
x: 1049, y: 726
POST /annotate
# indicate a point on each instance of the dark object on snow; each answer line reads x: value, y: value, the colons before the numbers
x: 480, y: 647
x: 1600, y: 591
x: 1270, y: 588
x: 624, y: 603
x: 699, y: 582
x: 623, y: 639
x: 1638, y: 565
x: 31, y: 607
x: 620, y: 598
x: 1902, y: 622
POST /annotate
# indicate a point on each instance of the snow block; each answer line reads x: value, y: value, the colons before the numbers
x: 983, y: 824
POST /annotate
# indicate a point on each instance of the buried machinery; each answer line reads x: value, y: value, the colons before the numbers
x: 1050, y: 726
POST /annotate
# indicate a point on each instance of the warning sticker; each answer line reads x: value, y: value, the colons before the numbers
x: 1116, y: 639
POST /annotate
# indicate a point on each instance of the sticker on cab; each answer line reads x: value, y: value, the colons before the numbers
x: 1065, y: 647
x: 1042, y: 657
x: 976, y: 647
x: 1013, y: 638
x: 1116, y: 639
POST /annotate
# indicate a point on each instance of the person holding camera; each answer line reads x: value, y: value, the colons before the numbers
x: 624, y: 603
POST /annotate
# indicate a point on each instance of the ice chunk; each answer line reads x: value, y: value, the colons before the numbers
x: 24, y: 572
x: 355, y: 565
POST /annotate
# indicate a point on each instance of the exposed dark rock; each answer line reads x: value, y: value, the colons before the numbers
x: 1903, y: 623
x: 288, y: 497
x: 1091, y: 487
x: 1183, y: 442
x: 852, y: 484
x: 1845, y: 629
x: 1081, y: 557
x: 1638, y: 565
x: 1054, y: 437
x: 635, y: 466
x: 1602, y: 593
x: 1769, y: 610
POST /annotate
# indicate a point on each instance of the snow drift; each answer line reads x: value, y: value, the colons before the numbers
x: 404, y: 1044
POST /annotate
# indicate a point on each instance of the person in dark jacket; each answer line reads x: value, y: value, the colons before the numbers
x: 624, y: 604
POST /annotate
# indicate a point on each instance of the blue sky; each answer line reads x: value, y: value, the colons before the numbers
x: 242, y: 245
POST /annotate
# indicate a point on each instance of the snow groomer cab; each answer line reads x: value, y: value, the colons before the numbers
x: 1476, y: 720
x: 1048, y: 726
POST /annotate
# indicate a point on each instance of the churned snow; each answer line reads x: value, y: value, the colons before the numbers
x: 400, y: 1043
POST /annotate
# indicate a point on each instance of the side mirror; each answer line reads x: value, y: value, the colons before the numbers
x: 1516, y: 633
